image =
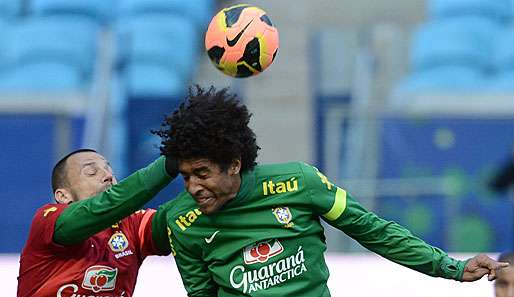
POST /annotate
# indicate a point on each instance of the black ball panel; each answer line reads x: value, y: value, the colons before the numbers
x: 266, y: 19
x: 251, y: 54
x: 232, y: 15
x: 215, y: 53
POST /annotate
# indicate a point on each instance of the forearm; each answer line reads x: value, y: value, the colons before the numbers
x: 397, y: 244
x: 85, y: 218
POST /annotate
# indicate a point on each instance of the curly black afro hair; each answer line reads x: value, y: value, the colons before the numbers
x: 211, y: 124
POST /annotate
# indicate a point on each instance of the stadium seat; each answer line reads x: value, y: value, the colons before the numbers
x: 499, y: 10
x: 200, y: 11
x: 64, y: 40
x: 98, y: 10
x: 40, y: 76
x: 152, y: 80
x: 459, y: 40
x: 167, y: 40
x: 501, y: 82
x: 503, y: 76
x: 442, y: 78
x: 503, y: 54
x: 10, y: 9
x: 453, y: 54
x: 4, y: 42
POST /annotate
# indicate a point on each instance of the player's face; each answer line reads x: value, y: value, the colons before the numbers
x: 88, y: 174
x: 504, y: 284
x: 210, y: 186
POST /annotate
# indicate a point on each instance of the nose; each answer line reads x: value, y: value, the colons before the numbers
x: 108, y: 177
x: 193, y: 186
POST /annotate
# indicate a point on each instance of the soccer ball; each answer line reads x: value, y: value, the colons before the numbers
x: 241, y: 41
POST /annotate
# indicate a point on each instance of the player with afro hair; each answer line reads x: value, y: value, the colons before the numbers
x: 235, y: 214
x: 196, y: 129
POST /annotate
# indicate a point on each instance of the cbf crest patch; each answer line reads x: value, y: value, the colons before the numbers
x: 283, y: 216
x: 118, y: 242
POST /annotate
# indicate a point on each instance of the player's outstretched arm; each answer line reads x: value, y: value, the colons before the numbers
x: 85, y: 218
x: 480, y: 265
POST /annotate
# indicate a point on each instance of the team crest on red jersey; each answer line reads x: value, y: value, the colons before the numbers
x: 118, y: 242
x: 100, y: 278
x: 260, y: 252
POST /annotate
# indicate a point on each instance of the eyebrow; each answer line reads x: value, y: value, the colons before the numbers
x: 92, y: 162
x: 88, y: 163
x: 197, y: 170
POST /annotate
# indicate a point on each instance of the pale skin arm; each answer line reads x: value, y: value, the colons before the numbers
x: 480, y: 265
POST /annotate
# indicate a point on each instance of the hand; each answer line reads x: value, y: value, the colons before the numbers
x: 480, y: 265
x: 171, y: 166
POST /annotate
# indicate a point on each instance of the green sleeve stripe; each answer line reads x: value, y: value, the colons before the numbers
x: 338, y: 207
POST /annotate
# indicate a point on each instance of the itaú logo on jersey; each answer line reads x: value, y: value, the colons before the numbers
x: 272, y: 274
x: 262, y: 251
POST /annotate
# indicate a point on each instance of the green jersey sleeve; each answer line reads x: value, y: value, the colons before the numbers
x: 85, y: 218
x: 160, y: 232
x: 386, y: 238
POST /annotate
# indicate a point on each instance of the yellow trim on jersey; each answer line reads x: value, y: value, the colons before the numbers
x: 338, y: 207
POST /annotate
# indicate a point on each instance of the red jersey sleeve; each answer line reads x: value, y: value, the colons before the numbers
x: 142, y: 227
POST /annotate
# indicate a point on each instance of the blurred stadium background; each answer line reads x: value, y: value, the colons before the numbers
x: 408, y: 104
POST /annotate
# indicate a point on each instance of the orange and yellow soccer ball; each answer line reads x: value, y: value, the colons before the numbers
x: 241, y: 41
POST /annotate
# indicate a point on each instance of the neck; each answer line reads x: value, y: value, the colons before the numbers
x: 235, y: 187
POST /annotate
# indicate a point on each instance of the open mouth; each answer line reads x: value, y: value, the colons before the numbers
x: 204, y: 201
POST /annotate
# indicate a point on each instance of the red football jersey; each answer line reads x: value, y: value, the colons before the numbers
x: 104, y: 265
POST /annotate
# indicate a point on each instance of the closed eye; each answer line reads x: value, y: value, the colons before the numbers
x: 91, y: 173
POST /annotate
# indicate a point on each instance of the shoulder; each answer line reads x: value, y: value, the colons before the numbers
x: 49, y: 211
x: 43, y: 225
x: 286, y: 169
x: 142, y: 214
x: 278, y: 168
x: 182, y: 202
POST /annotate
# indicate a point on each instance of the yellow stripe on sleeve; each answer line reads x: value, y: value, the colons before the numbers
x: 338, y: 207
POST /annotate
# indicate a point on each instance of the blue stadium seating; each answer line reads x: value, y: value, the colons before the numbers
x: 459, y: 40
x: 156, y: 54
x: 451, y: 54
x: 65, y: 45
x: 41, y: 76
x: 10, y: 9
x: 501, y: 82
x: 503, y: 76
x: 160, y: 39
x: 504, y: 55
x: 4, y: 42
x: 98, y: 10
x: 68, y: 39
x: 152, y: 80
x: 199, y: 11
x: 499, y: 10
x: 447, y: 78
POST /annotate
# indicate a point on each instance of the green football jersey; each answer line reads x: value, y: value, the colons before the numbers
x: 268, y: 240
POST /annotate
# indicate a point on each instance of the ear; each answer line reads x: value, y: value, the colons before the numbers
x: 235, y: 167
x: 63, y: 196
